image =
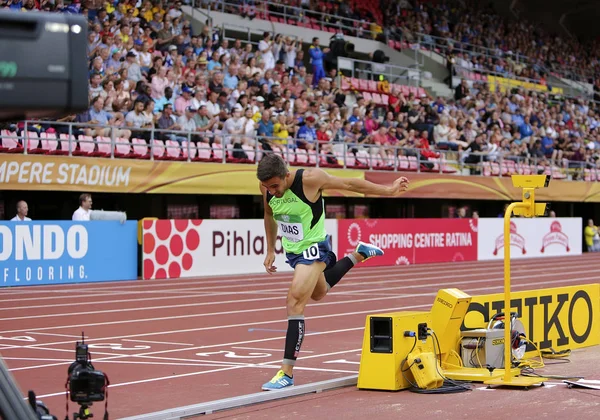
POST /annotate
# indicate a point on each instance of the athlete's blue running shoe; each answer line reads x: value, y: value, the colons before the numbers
x: 368, y: 250
x: 279, y: 381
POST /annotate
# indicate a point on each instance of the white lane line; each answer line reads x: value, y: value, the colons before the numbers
x: 273, y: 350
x: 158, y: 342
x: 57, y: 335
x: 409, y: 296
x: 341, y: 286
x: 400, y: 270
x: 249, y: 365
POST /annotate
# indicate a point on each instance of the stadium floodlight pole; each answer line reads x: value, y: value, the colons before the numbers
x: 526, y: 208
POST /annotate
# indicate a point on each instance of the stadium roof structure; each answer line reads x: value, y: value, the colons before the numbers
x: 579, y: 17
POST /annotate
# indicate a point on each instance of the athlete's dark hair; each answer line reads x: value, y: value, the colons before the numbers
x: 271, y: 166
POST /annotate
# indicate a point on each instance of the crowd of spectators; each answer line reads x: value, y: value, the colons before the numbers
x: 148, y: 69
x: 515, y: 47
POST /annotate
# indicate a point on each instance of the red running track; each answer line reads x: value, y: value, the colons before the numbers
x: 166, y: 344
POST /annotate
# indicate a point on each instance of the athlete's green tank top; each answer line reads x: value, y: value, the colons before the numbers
x: 301, y: 222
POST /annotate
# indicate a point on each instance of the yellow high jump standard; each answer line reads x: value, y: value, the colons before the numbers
x: 526, y: 208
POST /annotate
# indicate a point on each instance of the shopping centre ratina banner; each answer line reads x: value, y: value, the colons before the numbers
x: 35, y: 172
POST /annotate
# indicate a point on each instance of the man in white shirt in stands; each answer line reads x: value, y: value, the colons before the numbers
x: 85, y: 205
x: 22, y: 210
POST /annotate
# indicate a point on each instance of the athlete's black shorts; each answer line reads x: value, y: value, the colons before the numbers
x: 321, y: 252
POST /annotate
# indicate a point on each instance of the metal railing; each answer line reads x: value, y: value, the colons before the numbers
x: 526, y: 83
x: 371, y: 71
x: 252, y: 36
x: 198, y: 146
x: 432, y: 42
x: 292, y: 16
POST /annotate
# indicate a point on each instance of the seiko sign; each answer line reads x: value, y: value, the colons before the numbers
x: 565, y: 317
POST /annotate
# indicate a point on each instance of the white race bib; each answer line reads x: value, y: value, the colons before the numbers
x: 312, y: 253
x: 293, y: 232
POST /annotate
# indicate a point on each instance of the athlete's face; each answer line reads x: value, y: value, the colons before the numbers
x: 276, y: 186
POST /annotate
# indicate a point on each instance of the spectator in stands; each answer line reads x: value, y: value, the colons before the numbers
x: 138, y: 119
x: 84, y: 210
x: 265, y: 46
x: 167, y: 121
x: 100, y: 117
x: 592, y: 237
x: 316, y: 60
x: 22, y: 210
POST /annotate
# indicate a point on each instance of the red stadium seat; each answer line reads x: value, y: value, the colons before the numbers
x: 122, y: 147
x: 140, y: 149
x: 158, y: 150
x: 9, y: 143
x: 86, y: 146
x: 32, y: 140
x: 104, y: 147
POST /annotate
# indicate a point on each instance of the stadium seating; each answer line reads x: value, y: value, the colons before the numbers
x: 413, y: 109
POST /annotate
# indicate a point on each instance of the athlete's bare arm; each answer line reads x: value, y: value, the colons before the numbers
x: 271, y: 234
x: 319, y: 180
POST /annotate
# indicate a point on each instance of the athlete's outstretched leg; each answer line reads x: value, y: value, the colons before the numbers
x: 303, y: 284
x: 333, y: 275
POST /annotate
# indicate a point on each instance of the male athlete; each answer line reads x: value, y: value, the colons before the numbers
x: 294, y: 204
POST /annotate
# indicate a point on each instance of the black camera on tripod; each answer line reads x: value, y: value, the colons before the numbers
x: 85, y: 385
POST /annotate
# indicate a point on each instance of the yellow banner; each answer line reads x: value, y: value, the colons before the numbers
x: 559, y: 318
x: 35, y: 172
x: 508, y: 84
x: 39, y: 172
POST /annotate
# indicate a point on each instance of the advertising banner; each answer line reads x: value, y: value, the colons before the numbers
x: 74, y: 173
x: 537, y: 237
x: 411, y: 241
x: 559, y: 318
x: 56, y: 252
x: 197, y: 248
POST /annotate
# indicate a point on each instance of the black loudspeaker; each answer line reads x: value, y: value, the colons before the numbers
x: 43, y: 65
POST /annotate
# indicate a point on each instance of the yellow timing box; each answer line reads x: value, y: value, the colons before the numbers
x: 385, y: 347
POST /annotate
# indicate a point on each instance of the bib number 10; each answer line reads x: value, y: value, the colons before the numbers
x: 312, y: 253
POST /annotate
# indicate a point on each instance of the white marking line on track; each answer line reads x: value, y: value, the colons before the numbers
x: 425, y: 268
x: 341, y: 286
x: 246, y: 311
x: 158, y: 342
x: 487, y: 288
x: 57, y: 335
x: 259, y: 365
x: 225, y: 345
x: 273, y: 350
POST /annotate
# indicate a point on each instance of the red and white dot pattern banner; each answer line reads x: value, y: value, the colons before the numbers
x: 169, y: 247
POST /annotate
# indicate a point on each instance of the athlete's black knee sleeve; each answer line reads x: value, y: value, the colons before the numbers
x: 339, y: 270
x: 293, y: 339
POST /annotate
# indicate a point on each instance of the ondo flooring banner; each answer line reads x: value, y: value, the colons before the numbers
x: 197, y: 248
x: 537, y: 237
x: 59, y: 252
x: 411, y: 241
